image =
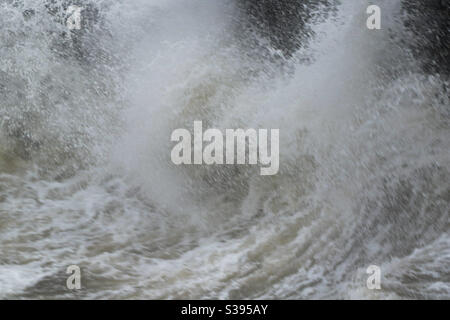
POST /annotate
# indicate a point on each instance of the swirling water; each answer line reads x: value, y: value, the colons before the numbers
x: 86, y: 176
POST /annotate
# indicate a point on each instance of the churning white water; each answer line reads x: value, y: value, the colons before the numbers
x: 86, y: 177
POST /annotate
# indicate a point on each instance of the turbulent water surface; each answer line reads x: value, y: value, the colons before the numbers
x: 86, y: 177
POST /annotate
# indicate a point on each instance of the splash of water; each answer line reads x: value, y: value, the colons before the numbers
x: 86, y: 176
